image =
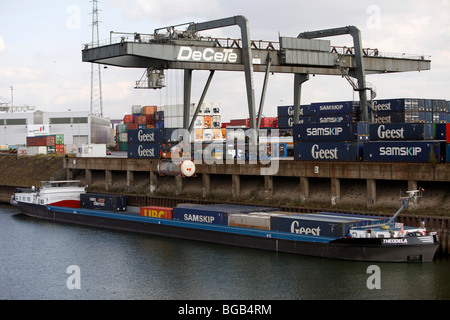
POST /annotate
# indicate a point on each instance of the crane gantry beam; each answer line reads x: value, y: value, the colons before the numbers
x: 301, y: 56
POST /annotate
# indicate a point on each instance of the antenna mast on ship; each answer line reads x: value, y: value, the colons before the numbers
x: 96, y: 77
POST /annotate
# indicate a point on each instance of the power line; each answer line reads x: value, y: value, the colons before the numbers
x: 96, y: 77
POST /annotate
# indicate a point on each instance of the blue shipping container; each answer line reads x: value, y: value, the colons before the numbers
x: 389, y: 105
x: 396, y: 131
x: 328, y: 108
x: 402, y: 151
x: 448, y: 153
x: 324, y: 132
x: 288, y: 111
x: 328, y: 151
x: 389, y: 117
x: 145, y: 136
x: 440, y: 131
x: 313, y: 226
x: 144, y: 150
x: 213, y: 214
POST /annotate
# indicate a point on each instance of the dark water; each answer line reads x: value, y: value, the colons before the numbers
x: 35, y: 256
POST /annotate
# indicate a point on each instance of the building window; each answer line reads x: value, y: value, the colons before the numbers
x: 80, y: 120
x: 60, y: 120
x: 15, y: 121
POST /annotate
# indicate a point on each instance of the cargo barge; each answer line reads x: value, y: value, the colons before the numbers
x: 328, y: 235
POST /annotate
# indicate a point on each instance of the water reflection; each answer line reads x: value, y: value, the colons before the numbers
x: 117, y: 265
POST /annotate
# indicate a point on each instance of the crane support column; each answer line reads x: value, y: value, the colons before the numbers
x: 187, y: 97
x: 299, y: 78
x: 247, y: 61
x: 360, y: 71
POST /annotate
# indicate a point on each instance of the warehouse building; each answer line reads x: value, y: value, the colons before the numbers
x: 78, y: 127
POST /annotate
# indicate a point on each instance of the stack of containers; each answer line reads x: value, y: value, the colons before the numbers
x: 52, y: 143
x: 407, y: 130
x: 140, y: 118
x: 151, y: 143
x: 145, y: 143
x: 410, y: 110
x: 121, y: 137
x: 327, y: 132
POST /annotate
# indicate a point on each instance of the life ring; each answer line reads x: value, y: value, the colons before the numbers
x: 402, y: 232
x: 424, y: 232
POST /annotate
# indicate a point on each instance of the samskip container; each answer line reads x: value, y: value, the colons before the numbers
x: 324, y: 132
x: 402, y: 151
x: 340, y: 107
x: 103, y: 202
x: 196, y: 214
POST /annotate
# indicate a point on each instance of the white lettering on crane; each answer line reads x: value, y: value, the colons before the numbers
x: 207, y: 55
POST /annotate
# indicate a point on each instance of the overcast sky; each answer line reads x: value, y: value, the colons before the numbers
x: 41, y: 43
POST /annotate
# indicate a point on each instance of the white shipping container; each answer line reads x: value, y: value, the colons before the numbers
x: 31, y: 151
x: 71, y: 148
x: 254, y: 221
x: 91, y: 150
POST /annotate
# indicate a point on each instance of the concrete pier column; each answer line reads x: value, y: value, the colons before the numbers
x: 335, y: 190
x: 236, y: 185
x: 130, y: 179
x: 69, y: 174
x: 206, y: 184
x: 178, y: 184
x: 371, y: 192
x: 412, y: 185
x: 108, y: 179
x: 88, y: 173
x: 304, y: 189
x: 153, y: 181
x: 268, y: 187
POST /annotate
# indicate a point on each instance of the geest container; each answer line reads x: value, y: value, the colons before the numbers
x: 402, y: 151
x: 389, y: 117
x: 324, y: 132
x: 144, y: 150
x: 389, y: 105
x: 288, y: 111
x: 103, y: 202
x: 396, y: 131
x: 156, y: 212
x: 145, y: 136
x: 313, y: 226
x: 327, y: 151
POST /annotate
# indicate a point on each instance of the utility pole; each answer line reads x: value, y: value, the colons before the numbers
x: 96, y: 77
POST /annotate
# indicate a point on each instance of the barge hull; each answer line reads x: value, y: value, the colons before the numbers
x: 372, y: 250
